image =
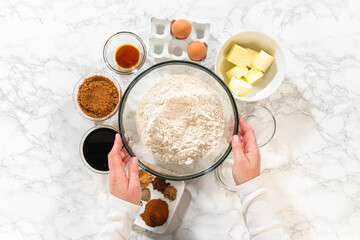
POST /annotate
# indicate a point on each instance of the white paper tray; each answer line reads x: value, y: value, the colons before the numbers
x: 180, y: 186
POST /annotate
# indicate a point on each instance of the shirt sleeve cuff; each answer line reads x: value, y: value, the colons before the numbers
x: 249, y: 187
x: 123, y: 206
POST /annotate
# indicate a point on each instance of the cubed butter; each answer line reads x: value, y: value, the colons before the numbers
x: 237, y: 71
x: 263, y: 61
x: 253, y: 76
x: 238, y: 56
x: 239, y: 87
x: 252, y: 54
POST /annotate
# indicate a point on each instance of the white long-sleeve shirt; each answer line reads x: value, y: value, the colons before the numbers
x: 260, y: 219
x: 119, y: 220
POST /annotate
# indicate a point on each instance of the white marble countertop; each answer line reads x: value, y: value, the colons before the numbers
x: 311, y: 167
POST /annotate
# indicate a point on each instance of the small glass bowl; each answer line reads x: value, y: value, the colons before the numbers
x: 224, y: 176
x: 83, y: 141
x: 114, y: 42
x: 264, y: 125
x: 76, y: 90
x: 261, y: 120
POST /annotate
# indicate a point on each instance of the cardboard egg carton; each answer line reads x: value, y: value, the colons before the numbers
x: 163, y: 45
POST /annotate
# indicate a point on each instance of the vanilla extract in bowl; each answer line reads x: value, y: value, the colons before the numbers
x: 95, y: 147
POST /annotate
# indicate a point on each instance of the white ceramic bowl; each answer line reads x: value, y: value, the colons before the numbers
x: 256, y: 41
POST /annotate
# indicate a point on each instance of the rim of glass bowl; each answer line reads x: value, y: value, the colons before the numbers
x: 221, y: 182
x: 121, y: 127
x: 143, y: 48
x: 76, y: 88
x: 86, y: 134
x: 273, y: 118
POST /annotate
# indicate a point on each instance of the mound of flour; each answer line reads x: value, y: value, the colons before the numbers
x: 180, y: 119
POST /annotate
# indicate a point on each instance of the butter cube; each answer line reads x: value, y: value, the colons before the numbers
x: 252, y: 54
x: 263, y: 61
x: 253, y: 76
x: 239, y: 87
x: 238, y: 55
x: 237, y: 71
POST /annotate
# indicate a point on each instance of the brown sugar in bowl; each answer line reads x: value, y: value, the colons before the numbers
x: 97, y: 96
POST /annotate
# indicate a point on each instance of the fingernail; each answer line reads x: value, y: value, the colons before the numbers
x: 236, y: 138
x: 117, y: 137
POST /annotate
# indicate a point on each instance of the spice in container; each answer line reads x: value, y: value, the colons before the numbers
x: 145, y: 194
x: 170, y: 193
x: 98, y: 96
x: 145, y: 178
x: 127, y: 56
x: 156, y: 213
x: 160, y: 184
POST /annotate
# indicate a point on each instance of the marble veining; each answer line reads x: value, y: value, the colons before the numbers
x: 311, y: 168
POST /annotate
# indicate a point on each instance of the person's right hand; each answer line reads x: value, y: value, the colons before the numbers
x: 247, y: 157
x: 127, y: 189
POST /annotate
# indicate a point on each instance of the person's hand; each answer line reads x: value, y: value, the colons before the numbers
x: 247, y: 157
x: 127, y: 189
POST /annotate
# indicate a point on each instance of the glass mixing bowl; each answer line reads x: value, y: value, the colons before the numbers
x: 127, y: 120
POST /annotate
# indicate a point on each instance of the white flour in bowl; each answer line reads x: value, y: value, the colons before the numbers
x: 180, y: 119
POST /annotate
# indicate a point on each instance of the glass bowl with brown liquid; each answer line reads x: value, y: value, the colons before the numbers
x: 124, y: 53
x: 95, y: 146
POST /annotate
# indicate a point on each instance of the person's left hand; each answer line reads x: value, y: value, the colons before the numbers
x: 127, y: 189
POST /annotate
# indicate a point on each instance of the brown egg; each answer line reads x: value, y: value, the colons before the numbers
x: 196, y: 50
x: 181, y: 28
